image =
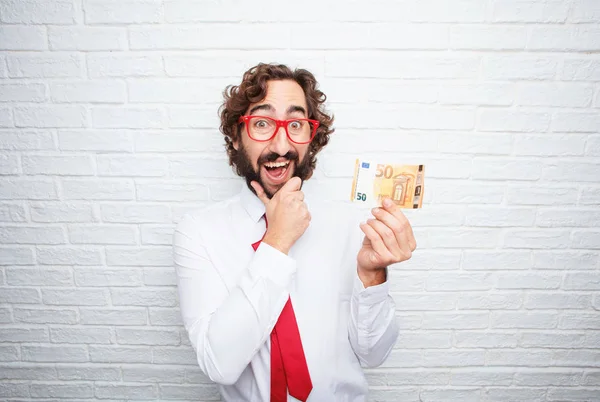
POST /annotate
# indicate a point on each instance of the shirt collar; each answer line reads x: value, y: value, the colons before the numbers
x: 252, y: 204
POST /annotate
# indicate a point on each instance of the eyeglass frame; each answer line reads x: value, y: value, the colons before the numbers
x: 279, y: 123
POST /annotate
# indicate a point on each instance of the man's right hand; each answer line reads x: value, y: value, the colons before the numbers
x: 287, y: 214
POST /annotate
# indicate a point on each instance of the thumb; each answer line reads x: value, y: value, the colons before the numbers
x: 292, y: 184
x: 260, y: 193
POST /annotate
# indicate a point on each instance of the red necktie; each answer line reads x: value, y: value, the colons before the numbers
x: 288, y: 363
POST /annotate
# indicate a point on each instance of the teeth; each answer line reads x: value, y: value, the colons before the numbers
x: 278, y: 164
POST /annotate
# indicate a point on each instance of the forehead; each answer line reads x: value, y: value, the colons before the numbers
x: 283, y: 93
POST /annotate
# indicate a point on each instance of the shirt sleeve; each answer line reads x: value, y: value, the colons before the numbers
x: 372, y: 328
x: 227, y: 326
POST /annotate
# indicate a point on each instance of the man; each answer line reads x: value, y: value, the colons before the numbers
x: 283, y: 301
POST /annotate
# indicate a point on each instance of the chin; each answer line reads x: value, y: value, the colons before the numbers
x: 272, y: 189
x: 272, y: 186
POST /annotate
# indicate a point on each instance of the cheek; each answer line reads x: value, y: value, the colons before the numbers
x: 302, y: 152
x: 255, y: 153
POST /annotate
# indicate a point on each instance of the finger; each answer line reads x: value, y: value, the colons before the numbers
x: 391, y: 221
x: 393, y: 245
x: 412, y: 242
x: 411, y: 237
x: 295, y: 196
x: 399, y: 223
x: 399, y: 227
x: 373, y: 256
x: 260, y: 193
x: 391, y: 207
x: 376, y: 240
x: 292, y: 184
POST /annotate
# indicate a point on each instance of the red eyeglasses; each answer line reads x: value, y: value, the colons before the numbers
x: 263, y: 128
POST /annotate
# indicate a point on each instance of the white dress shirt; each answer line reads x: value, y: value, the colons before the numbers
x: 231, y: 297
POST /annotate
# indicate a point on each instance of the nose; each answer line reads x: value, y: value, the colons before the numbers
x: 280, y: 143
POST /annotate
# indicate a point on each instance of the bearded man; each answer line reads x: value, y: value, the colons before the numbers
x: 283, y: 301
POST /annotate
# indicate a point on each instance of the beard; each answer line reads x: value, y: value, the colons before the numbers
x: 246, y: 170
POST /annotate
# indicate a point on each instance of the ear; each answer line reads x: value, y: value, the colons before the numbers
x: 236, y: 141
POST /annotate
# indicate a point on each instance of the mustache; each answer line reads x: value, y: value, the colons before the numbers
x: 273, y: 156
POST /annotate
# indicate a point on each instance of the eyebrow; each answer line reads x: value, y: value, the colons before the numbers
x: 264, y: 106
x: 295, y: 108
x: 267, y: 107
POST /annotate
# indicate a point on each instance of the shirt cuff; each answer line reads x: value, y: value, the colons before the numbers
x: 271, y: 263
x: 372, y: 294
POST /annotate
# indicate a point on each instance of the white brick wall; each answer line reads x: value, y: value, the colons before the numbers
x: 109, y: 134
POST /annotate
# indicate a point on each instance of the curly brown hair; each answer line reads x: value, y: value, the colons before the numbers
x: 253, y: 88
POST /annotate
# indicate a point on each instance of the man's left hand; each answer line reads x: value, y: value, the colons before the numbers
x: 389, y: 239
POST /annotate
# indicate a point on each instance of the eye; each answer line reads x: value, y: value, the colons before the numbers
x: 261, y: 124
x: 295, y: 125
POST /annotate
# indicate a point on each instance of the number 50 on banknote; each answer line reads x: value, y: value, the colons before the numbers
x: 403, y: 184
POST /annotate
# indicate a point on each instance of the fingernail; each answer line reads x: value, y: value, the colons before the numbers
x: 387, y: 202
x: 376, y: 210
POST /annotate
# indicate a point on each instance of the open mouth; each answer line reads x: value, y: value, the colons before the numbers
x: 276, y: 172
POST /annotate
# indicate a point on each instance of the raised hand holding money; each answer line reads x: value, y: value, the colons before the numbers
x: 389, y: 239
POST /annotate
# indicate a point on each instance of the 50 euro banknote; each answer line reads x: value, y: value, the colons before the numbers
x: 403, y: 184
